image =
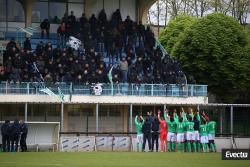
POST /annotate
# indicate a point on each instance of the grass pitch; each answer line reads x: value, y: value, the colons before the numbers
x: 116, y: 159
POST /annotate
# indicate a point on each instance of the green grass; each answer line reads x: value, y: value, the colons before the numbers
x: 116, y: 159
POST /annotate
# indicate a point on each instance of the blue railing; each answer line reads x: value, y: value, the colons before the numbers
x: 122, y: 89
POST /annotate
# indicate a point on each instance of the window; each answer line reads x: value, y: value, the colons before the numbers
x: 2, y: 10
x: 15, y: 11
x: 76, y: 8
x: 40, y: 11
x: 56, y: 11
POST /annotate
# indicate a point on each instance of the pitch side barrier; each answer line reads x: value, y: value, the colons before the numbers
x: 126, y: 141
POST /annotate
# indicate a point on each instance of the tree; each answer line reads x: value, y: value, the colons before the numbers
x: 169, y: 36
x: 213, y: 50
x: 169, y: 9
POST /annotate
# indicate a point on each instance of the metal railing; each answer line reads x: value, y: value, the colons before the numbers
x: 122, y: 89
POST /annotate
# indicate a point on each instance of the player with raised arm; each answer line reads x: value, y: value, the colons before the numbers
x: 139, y: 121
x: 190, y: 133
x: 211, y: 128
x: 163, y: 132
x: 196, y: 143
x: 180, y: 128
x: 171, y: 135
x: 203, y: 134
x: 184, y: 116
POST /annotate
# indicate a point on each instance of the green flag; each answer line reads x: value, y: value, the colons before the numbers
x: 111, y: 80
x: 110, y: 75
x: 60, y: 94
x: 48, y: 91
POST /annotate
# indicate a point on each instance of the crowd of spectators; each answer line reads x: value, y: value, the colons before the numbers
x: 129, y: 47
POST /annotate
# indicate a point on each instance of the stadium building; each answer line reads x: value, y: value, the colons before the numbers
x: 86, y: 109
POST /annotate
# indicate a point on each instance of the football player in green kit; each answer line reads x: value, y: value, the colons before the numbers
x: 204, y: 135
x: 190, y: 133
x: 180, y: 128
x: 171, y: 137
x: 139, y: 124
x: 211, y: 135
x: 211, y: 128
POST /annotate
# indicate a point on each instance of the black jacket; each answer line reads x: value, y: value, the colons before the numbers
x: 5, y: 129
x: 146, y: 128
x: 24, y: 129
x: 155, y: 125
x: 15, y: 129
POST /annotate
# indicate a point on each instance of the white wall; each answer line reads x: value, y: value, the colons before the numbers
x: 110, y: 6
x: 128, y: 7
x: 7, y: 98
x: 97, y: 7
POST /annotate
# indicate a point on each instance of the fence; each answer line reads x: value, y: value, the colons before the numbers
x: 125, y: 89
x: 127, y: 142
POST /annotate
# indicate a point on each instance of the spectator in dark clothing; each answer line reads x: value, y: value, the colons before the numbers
x: 146, y: 130
x: 155, y: 133
x: 45, y: 26
x: 15, y: 134
x: 5, y: 131
x: 61, y: 32
x: 65, y: 18
x: 83, y: 20
x: 102, y: 17
x: 141, y: 32
x: 72, y: 18
x: 11, y: 44
x: 93, y: 22
x: 128, y: 27
x: 116, y: 18
x: 24, y: 132
x: 27, y: 44
x: 102, y: 40
x: 71, y: 22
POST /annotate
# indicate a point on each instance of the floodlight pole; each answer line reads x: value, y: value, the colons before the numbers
x: 131, y: 119
x: 97, y: 117
x: 62, y: 116
x: 26, y: 112
x: 221, y: 123
x: 231, y: 119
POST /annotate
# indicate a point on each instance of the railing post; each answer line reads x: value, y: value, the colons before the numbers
x: 97, y: 118
x: 28, y: 88
x: 26, y: 112
x: 231, y: 120
x: 221, y: 122
x: 62, y: 117
x: 152, y: 89
x: 131, y: 119
x: 71, y: 88
x: 192, y: 90
x: 132, y: 88
x: 6, y: 87
x: 172, y: 90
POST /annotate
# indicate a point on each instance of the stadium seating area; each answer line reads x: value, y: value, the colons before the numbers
x: 130, y: 48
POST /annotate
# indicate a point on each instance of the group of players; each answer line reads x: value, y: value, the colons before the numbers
x: 188, y: 131
x: 12, y: 134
